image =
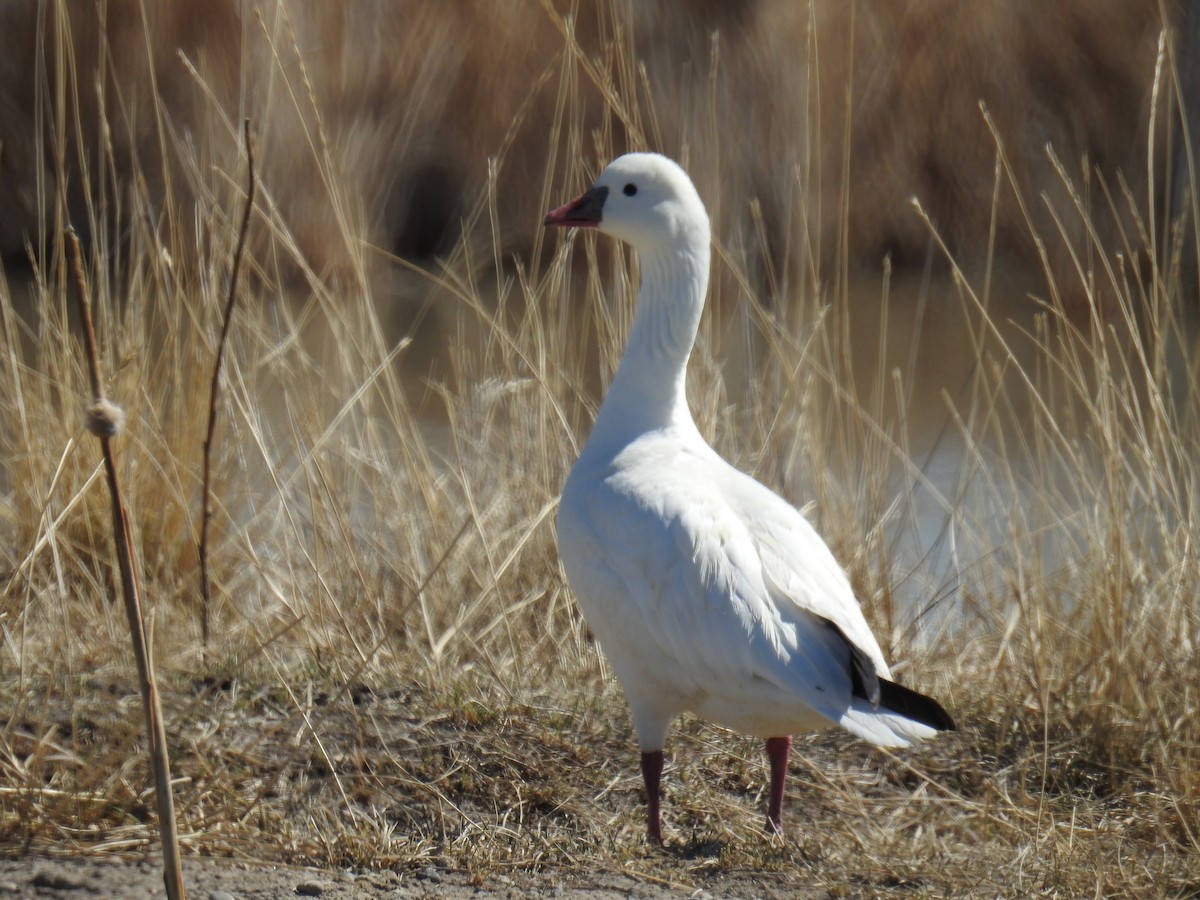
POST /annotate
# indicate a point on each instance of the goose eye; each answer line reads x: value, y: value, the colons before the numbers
x: 629, y: 190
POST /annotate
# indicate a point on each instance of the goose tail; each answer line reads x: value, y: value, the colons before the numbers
x: 899, y: 719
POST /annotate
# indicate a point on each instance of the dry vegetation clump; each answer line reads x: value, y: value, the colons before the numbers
x: 1003, y: 455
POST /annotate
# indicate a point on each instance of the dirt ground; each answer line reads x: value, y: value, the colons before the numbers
x: 413, y: 792
x: 74, y: 879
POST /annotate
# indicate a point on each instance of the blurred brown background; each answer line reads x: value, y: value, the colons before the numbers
x: 384, y: 116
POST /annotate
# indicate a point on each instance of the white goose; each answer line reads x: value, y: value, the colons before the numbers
x: 708, y: 592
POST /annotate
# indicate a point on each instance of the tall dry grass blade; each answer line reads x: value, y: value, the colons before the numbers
x: 215, y: 387
x: 104, y: 419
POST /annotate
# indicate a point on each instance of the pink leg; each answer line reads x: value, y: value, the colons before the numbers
x: 778, y: 749
x: 652, y: 766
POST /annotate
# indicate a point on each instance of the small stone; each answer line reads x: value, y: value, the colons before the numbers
x: 430, y: 874
x: 56, y: 881
x: 311, y: 888
x: 221, y: 895
x: 9, y: 887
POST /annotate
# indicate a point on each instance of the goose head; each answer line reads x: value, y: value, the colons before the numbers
x: 643, y: 199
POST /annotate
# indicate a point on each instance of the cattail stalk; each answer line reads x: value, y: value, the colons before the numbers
x: 105, y: 420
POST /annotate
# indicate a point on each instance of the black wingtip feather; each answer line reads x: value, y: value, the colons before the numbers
x: 879, y: 692
x: 864, y: 682
x: 912, y: 705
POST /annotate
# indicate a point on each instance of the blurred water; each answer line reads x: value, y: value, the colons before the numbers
x: 966, y: 491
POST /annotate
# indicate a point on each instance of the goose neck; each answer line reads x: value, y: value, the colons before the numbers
x: 648, y: 390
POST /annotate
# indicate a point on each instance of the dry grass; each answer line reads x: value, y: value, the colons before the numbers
x: 398, y: 675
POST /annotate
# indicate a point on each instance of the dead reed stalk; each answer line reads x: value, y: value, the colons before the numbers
x: 215, y: 386
x: 104, y: 419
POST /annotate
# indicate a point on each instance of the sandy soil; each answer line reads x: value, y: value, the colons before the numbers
x: 32, y: 877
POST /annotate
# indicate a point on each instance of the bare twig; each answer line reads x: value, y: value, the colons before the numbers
x: 105, y: 419
x: 215, y: 386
